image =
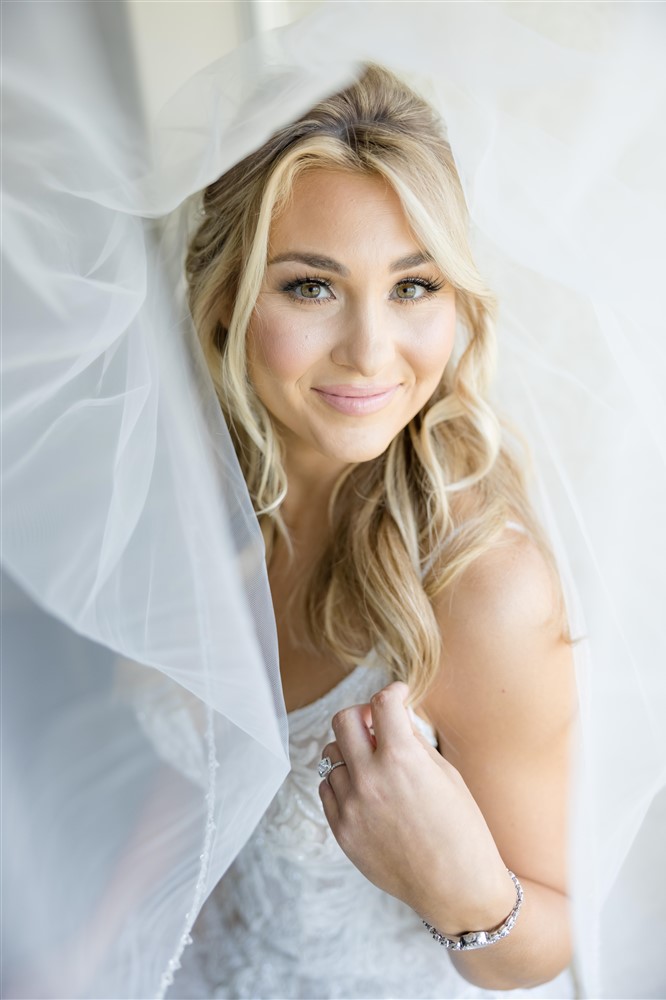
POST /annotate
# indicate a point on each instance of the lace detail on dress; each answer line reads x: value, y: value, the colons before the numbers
x: 294, y: 918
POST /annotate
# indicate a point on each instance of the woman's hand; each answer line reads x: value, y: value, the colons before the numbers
x: 404, y: 816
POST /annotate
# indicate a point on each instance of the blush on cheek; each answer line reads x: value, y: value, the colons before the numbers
x: 280, y: 349
x: 433, y: 346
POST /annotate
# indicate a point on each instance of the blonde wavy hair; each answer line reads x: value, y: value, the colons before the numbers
x: 404, y: 526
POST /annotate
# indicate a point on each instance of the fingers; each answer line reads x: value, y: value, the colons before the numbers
x: 360, y: 730
x: 416, y: 732
x: 336, y: 783
x: 338, y: 777
x: 329, y: 802
x: 390, y: 718
x: 355, y: 742
x: 431, y: 750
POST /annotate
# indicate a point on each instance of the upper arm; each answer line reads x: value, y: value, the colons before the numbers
x: 504, y: 701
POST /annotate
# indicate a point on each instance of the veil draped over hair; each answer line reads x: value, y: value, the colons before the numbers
x: 134, y: 567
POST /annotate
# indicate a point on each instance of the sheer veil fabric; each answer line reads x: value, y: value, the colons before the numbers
x: 127, y: 529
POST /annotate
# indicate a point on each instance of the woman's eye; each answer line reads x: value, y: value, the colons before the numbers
x: 313, y: 290
x: 416, y: 288
x: 409, y: 290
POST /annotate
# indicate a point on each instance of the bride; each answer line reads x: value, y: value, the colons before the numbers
x: 321, y: 469
x: 351, y: 341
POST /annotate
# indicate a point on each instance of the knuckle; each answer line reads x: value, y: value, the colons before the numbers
x: 339, y: 719
x: 380, y: 698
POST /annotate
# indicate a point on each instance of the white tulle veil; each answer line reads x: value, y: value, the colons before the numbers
x: 127, y: 529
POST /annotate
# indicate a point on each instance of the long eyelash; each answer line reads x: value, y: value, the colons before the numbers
x: 290, y: 286
x: 430, y: 284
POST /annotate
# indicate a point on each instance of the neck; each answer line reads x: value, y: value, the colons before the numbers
x: 305, y: 508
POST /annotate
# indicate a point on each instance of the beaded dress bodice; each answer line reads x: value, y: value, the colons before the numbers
x: 293, y: 917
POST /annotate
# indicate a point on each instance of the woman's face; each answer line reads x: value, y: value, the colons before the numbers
x: 353, y: 326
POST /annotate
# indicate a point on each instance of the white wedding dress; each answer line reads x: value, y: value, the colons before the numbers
x: 293, y: 917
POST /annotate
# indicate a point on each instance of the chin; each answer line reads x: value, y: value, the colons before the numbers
x: 354, y: 452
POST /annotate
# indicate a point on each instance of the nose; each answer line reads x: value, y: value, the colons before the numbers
x: 365, y: 342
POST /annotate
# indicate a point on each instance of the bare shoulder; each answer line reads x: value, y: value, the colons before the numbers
x: 506, y: 667
x: 506, y: 594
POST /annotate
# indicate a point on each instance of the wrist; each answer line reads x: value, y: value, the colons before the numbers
x: 483, y: 929
x: 492, y: 908
x: 481, y: 903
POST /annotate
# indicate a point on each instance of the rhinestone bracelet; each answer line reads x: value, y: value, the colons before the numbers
x: 480, y: 939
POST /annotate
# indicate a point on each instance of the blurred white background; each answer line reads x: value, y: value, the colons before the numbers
x: 175, y: 38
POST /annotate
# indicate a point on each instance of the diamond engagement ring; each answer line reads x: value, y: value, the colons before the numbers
x: 326, y: 765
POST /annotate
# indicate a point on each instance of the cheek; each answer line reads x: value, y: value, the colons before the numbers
x: 431, y: 343
x: 280, y: 348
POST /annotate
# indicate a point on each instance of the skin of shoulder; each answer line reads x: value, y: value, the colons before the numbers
x: 504, y: 702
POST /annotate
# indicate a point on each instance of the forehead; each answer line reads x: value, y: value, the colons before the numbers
x: 341, y: 212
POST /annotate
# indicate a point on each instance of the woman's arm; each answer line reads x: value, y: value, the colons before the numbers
x: 503, y: 706
x: 439, y: 830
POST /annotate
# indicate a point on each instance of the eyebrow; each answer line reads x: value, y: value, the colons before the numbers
x: 328, y: 264
x: 411, y: 260
x: 312, y: 260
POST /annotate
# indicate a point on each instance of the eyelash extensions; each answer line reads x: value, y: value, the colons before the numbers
x: 291, y: 286
x: 430, y: 285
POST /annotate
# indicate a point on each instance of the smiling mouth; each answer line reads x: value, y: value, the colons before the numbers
x: 356, y: 400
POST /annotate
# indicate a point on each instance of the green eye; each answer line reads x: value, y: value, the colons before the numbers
x: 411, y: 289
x: 311, y: 290
x: 408, y: 290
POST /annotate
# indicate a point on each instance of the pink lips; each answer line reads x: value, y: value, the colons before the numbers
x: 357, y: 400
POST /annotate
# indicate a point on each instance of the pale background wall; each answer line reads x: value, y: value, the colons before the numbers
x: 175, y: 38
